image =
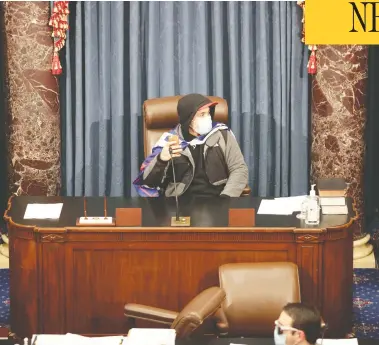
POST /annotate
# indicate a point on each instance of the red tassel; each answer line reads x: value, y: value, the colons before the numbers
x: 56, y: 65
x: 312, y: 63
x: 59, y: 23
x: 59, y: 44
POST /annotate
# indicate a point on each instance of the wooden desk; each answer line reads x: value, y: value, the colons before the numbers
x: 70, y: 279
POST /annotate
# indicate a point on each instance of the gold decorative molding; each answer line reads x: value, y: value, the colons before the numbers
x: 307, y: 238
x: 52, y: 238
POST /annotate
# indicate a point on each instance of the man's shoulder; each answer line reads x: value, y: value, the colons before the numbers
x: 218, y: 136
x: 224, y: 131
x: 221, y: 129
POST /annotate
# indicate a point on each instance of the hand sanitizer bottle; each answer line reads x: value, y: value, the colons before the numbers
x: 312, y: 216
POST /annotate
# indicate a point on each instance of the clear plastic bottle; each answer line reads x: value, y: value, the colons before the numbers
x: 303, y: 209
x: 313, y: 208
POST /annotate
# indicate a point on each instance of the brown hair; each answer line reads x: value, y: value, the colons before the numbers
x: 305, y: 318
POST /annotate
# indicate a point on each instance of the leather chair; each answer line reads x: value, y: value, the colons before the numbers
x: 202, y: 307
x: 160, y: 115
x: 255, y: 296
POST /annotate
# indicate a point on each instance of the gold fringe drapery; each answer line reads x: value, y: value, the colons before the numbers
x: 59, y: 22
x: 312, y: 62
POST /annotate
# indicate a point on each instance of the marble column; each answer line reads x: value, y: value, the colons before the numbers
x: 34, y: 123
x: 338, y: 117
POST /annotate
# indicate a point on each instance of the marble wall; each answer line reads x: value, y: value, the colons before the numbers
x: 339, y: 115
x: 34, y: 133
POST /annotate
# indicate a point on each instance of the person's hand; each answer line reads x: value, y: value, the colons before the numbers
x: 175, y: 148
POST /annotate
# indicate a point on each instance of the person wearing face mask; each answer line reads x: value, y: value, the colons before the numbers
x: 207, y: 158
x: 298, y: 324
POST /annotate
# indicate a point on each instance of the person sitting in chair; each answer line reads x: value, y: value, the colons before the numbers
x: 206, y: 156
x: 298, y: 324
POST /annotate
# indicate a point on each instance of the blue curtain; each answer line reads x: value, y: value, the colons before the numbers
x: 371, y: 162
x: 120, y: 53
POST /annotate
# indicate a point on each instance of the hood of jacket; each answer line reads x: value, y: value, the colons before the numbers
x: 188, y: 106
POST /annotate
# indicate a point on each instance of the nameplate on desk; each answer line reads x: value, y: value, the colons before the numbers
x: 95, y: 221
x: 128, y: 217
x: 242, y: 217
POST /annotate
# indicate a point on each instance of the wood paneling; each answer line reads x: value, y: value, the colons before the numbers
x: 78, y: 279
x: 168, y: 277
x: 51, y: 272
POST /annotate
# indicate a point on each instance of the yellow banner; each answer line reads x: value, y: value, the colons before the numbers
x: 341, y: 22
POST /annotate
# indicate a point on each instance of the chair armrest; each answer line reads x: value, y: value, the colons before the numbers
x: 221, y: 321
x: 144, y: 312
x: 201, y: 308
x: 246, y: 191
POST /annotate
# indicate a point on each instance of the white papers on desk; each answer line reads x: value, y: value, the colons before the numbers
x: 47, y: 339
x: 273, y: 207
x: 352, y: 341
x: 110, y: 340
x: 69, y: 339
x: 151, y: 336
x: 281, y: 206
x: 43, y: 211
x: 136, y: 336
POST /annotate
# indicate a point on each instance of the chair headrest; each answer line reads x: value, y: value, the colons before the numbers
x: 253, y: 288
x: 162, y: 112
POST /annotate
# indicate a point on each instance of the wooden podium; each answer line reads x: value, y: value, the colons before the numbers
x: 77, y: 279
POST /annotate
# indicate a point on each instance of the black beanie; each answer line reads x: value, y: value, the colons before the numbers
x: 188, y: 106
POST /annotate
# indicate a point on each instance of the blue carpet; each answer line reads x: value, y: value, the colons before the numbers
x: 365, y: 302
x: 4, y: 297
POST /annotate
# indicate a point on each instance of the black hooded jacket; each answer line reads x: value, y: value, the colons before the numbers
x: 211, y: 169
x: 187, y: 108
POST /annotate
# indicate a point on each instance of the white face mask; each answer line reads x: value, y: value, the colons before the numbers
x: 203, y: 125
x: 280, y: 339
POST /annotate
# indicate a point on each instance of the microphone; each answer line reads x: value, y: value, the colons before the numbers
x: 174, y: 138
x: 177, y: 221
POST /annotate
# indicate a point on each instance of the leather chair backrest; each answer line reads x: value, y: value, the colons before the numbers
x: 160, y: 115
x: 256, y: 294
x: 197, y: 311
